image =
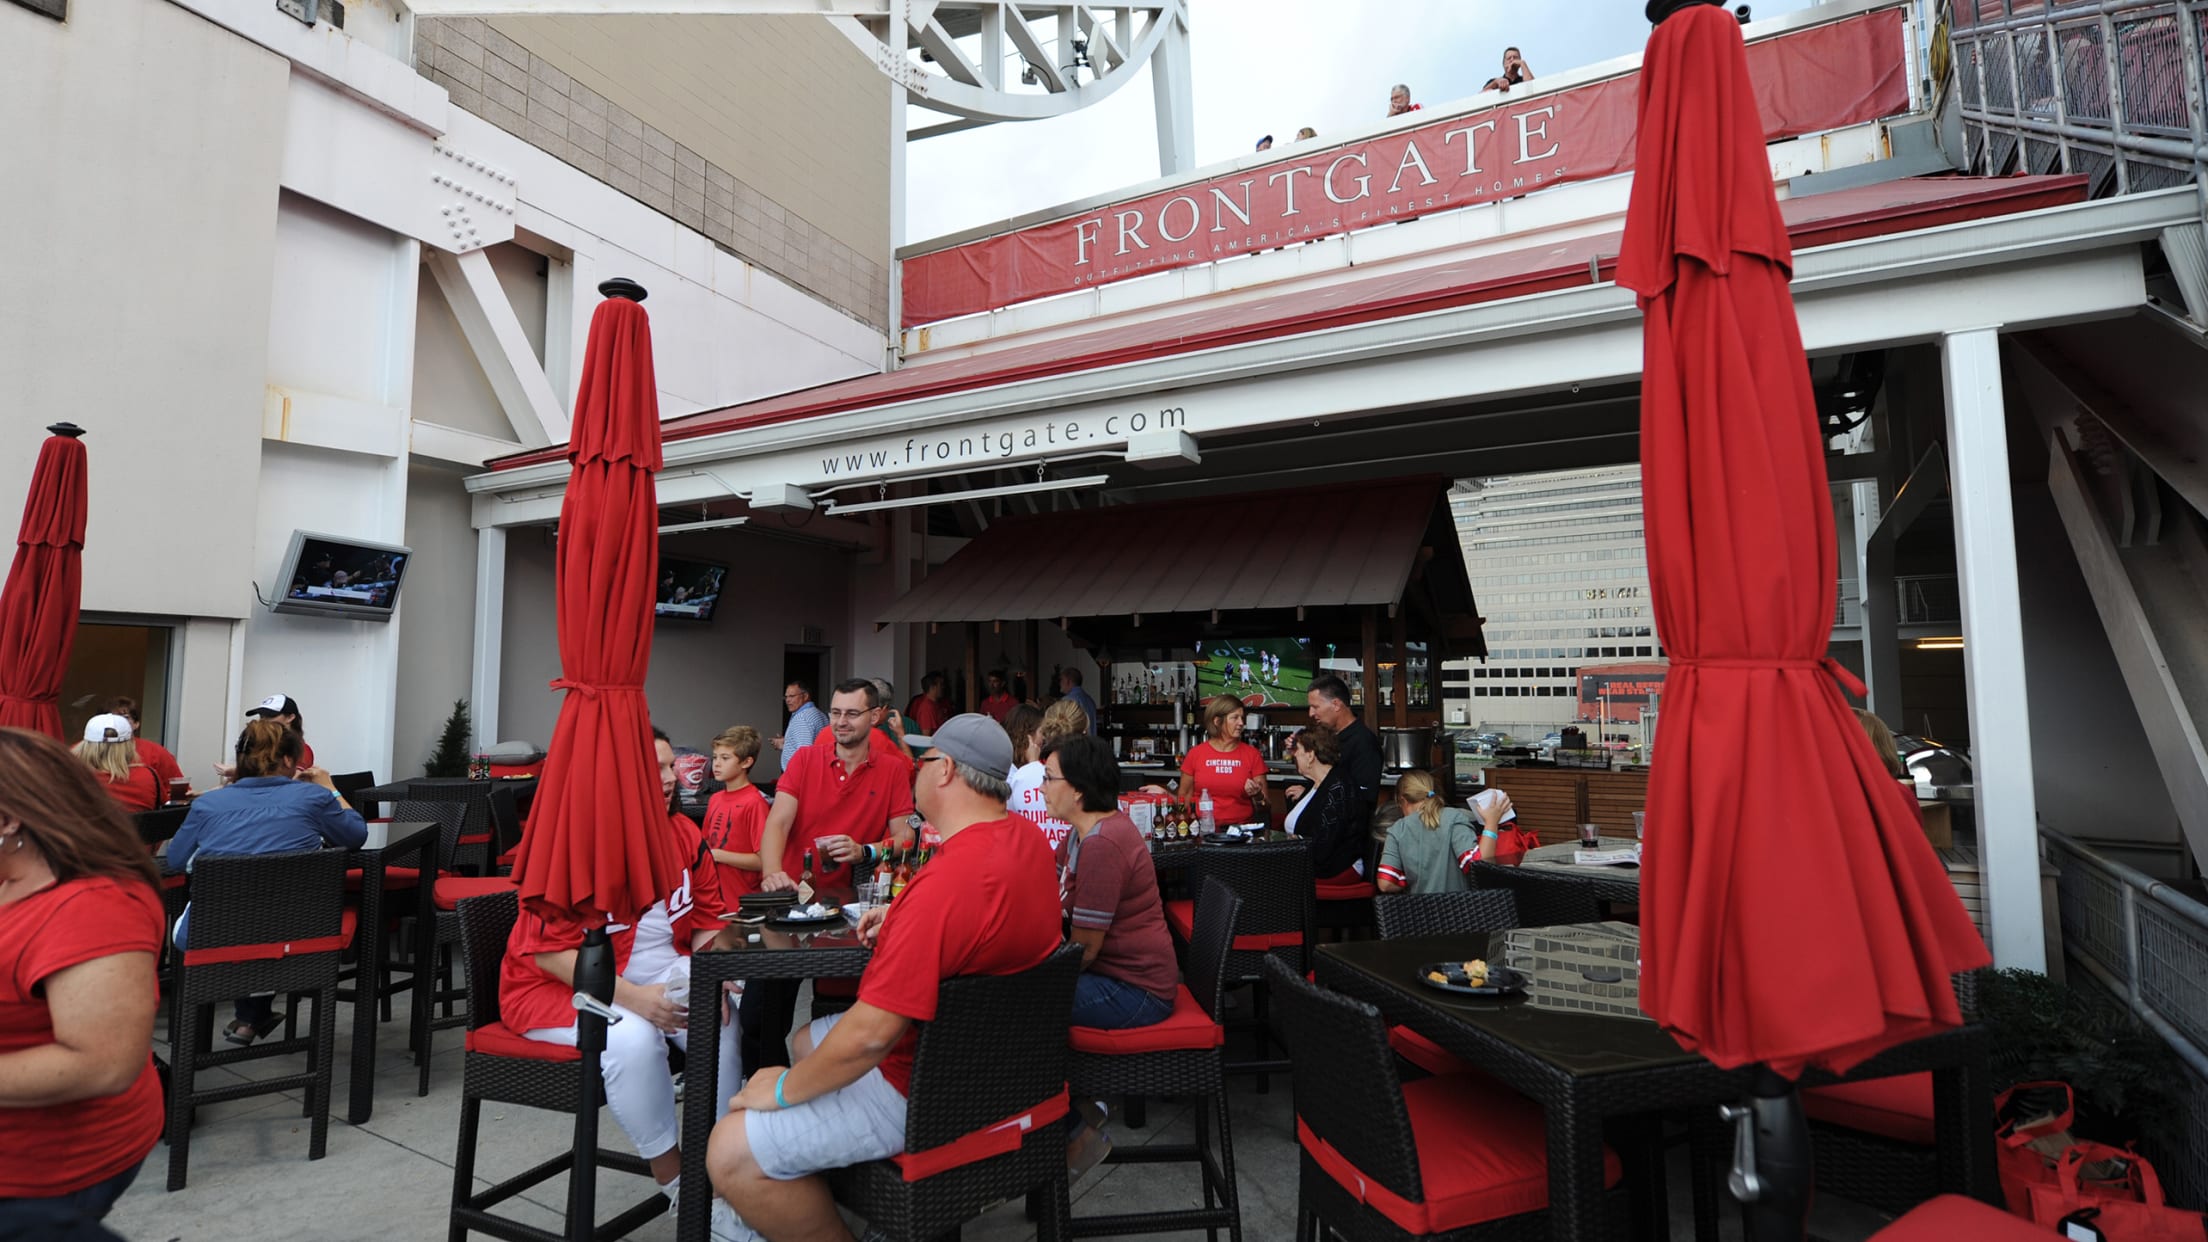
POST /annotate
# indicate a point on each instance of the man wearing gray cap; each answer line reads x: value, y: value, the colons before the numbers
x: 987, y: 904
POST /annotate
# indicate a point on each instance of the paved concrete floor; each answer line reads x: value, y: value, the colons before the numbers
x: 391, y: 1180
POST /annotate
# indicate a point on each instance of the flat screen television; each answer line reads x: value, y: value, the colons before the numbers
x: 688, y: 590
x: 1262, y: 672
x: 331, y: 576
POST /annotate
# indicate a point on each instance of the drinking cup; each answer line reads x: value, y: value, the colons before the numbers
x: 1638, y: 824
x: 1590, y: 836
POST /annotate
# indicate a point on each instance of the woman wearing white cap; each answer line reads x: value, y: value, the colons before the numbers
x: 284, y: 710
x: 108, y: 751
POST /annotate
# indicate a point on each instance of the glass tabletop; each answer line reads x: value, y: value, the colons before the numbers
x: 1581, y: 1008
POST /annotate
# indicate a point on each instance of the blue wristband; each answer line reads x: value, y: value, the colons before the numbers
x: 779, y: 1102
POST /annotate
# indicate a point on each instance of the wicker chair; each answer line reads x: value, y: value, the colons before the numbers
x: 438, y: 938
x: 505, y: 1067
x: 155, y: 827
x: 349, y: 785
x: 260, y: 923
x: 1543, y: 900
x: 1439, y: 914
x: 995, y: 1051
x: 475, y: 849
x: 1274, y: 883
x: 1177, y: 1057
x: 1444, y: 1157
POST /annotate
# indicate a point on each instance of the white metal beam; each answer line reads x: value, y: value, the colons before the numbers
x: 1993, y: 654
x: 1173, y: 88
x: 451, y: 444
x: 490, y: 634
x: 501, y: 347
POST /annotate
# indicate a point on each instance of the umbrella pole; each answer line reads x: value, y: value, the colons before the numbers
x: 1771, y: 1160
x: 593, y: 978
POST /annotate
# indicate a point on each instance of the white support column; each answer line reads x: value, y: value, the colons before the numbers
x: 894, y: 37
x: 1993, y: 653
x: 1175, y: 94
x: 490, y: 633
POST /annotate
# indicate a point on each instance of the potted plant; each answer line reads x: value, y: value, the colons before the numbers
x: 2119, y: 1070
x: 452, y: 756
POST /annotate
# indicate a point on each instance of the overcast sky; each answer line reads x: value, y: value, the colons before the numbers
x: 1263, y: 67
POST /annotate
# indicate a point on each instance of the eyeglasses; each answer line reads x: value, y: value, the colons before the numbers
x: 1049, y: 777
x: 858, y: 715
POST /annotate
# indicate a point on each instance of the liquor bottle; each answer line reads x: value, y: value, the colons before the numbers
x: 1207, y: 814
x: 902, y: 876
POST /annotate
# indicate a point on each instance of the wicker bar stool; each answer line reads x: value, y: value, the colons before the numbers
x: 1438, y: 914
x: 437, y: 938
x: 155, y: 827
x: 1274, y: 883
x: 1444, y: 1157
x: 260, y: 923
x: 506, y: 1067
x: 1177, y: 1057
x: 1543, y: 900
x: 474, y: 850
x: 982, y: 1124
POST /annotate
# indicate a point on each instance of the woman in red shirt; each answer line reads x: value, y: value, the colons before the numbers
x: 108, y: 750
x: 1230, y: 768
x: 80, y: 923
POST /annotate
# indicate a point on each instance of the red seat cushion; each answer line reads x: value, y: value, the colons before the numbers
x: 500, y: 1040
x: 1187, y: 1029
x: 1180, y: 915
x: 1425, y: 1053
x: 451, y: 890
x: 393, y: 878
x: 1953, y: 1217
x: 1348, y: 886
x: 835, y: 987
x: 1482, y: 1156
x: 1899, y: 1108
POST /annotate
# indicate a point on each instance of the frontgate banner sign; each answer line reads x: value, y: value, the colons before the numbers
x: 1821, y: 78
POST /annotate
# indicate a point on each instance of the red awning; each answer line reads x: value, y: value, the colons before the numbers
x: 1817, y: 220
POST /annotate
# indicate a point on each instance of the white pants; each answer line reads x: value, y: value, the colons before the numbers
x: 639, y: 1089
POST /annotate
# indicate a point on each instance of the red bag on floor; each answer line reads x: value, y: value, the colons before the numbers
x: 2033, y: 1131
x: 2128, y: 1207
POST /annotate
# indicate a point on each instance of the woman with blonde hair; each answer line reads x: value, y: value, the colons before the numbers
x: 1430, y: 847
x: 1030, y: 731
x: 108, y: 750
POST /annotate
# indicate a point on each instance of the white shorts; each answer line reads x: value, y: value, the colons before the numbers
x: 860, y: 1121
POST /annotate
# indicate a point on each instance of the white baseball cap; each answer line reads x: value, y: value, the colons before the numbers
x: 107, y: 729
x: 274, y: 705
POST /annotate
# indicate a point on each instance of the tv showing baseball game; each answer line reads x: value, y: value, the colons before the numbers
x: 688, y: 590
x: 332, y: 576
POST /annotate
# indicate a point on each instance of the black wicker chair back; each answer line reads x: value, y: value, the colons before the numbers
x: 159, y: 824
x: 448, y: 816
x: 350, y: 784
x: 485, y: 924
x: 1346, y: 1087
x: 474, y: 801
x: 1217, y: 910
x: 240, y: 899
x: 996, y: 1045
x: 1543, y: 900
x: 1274, y: 883
x: 505, y: 819
x: 1439, y: 914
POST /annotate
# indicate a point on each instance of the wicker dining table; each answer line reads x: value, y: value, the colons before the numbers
x: 770, y: 950
x: 409, y: 845
x: 1577, y: 1044
x: 1617, y: 883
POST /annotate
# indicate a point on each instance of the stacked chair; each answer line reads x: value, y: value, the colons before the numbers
x: 1274, y: 883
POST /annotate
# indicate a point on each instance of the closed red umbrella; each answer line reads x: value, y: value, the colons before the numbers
x: 1792, y: 912
x: 597, y: 845
x: 38, y: 607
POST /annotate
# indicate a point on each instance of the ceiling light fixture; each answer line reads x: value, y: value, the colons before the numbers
x: 709, y: 524
x: 979, y: 493
x: 1952, y: 642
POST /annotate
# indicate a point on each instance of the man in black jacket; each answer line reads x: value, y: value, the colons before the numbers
x: 1329, y: 704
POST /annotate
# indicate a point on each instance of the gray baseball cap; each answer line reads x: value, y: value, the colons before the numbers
x: 972, y: 740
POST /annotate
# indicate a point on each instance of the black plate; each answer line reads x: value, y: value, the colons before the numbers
x: 1501, y: 980
x: 1220, y: 838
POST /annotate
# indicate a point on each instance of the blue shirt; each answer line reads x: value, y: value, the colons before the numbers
x: 1080, y: 698
x: 264, y: 815
x: 805, y: 725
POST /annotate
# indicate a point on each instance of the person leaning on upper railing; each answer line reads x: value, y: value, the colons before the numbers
x: 80, y: 926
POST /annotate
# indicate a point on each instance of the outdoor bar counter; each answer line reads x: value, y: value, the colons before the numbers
x: 1550, y: 799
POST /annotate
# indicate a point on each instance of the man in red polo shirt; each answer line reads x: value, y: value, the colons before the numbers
x: 986, y: 905
x: 836, y: 800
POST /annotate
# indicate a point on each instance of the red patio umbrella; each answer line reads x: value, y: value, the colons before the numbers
x: 1792, y: 912
x: 597, y: 845
x: 38, y: 607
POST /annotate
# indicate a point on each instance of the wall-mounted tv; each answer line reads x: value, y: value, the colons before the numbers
x: 688, y: 590
x: 1262, y: 672
x: 331, y: 576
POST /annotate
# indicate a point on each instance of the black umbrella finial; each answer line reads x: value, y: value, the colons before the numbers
x: 622, y: 287
x: 70, y: 430
x: 1658, y: 10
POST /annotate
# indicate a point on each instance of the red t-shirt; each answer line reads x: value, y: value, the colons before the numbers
x: 987, y: 904
x: 926, y: 715
x: 156, y: 756
x: 1207, y: 768
x: 1111, y: 885
x: 998, y: 706
x: 530, y: 1000
x: 142, y: 792
x: 831, y: 801
x: 733, y: 820
x: 63, y: 1148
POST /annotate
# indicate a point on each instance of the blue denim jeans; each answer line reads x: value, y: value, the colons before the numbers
x: 73, y: 1215
x: 1113, y: 1005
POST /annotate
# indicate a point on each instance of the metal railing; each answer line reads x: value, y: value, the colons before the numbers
x: 2111, y: 89
x: 2147, y: 944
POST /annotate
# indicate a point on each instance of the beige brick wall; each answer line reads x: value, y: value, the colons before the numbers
x: 769, y: 135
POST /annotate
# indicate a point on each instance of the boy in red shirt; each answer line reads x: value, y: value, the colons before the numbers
x: 986, y: 905
x: 735, y: 816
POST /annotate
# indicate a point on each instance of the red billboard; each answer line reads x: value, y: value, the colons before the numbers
x: 1824, y: 77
